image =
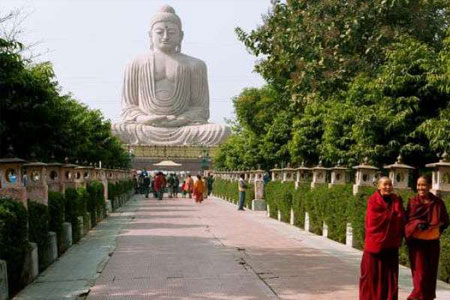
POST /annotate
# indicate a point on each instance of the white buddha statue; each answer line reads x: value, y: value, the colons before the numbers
x: 165, y: 97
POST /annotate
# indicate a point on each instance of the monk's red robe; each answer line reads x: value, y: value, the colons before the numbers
x: 424, y: 253
x: 383, y: 236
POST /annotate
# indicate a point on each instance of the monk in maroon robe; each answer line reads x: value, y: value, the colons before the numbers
x: 427, y: 218
x: 384, y: 233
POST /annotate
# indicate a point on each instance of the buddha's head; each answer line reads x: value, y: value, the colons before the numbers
x: 165, y: 31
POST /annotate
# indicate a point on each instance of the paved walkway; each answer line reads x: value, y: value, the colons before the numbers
x: 176, y: 249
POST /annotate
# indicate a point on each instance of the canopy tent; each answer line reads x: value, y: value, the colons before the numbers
x: 167, y: 163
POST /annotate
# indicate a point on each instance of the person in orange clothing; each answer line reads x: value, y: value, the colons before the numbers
x: 189, y: 185
x: 199, y: 189
x: 427, y: 218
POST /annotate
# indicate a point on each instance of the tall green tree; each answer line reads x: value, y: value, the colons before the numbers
x: 35, y: 118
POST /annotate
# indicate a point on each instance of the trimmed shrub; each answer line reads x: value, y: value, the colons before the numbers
x: 38, y: 219
x: 336, y: 214
x: 56, y: 203
x: 72, y: 213
x: 226, y: 189
x: 298, y: 205
x: 13, y: 240
x: 270, y: 195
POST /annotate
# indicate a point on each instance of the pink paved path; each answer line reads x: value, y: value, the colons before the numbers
x: 176, y: 249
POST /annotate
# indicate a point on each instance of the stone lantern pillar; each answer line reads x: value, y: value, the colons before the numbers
x: 276, y: 173
x: 246, y: 175
x: 365, y: 176
x: 36, y: 185
x: 11, y: 179
x: 319, y: 175
x: 102, y: 177
x: 252, y: 175
x: 399, y: 174
x: 303, y: 175
x: 288, y: 174
x: 338, y: 175
x: 55, y: 177
x: 79, y: 177
x: 441, y: 176
x: 68, y: 176
x: 259, y: 203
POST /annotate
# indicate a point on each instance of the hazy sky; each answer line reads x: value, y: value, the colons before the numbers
x: 89, y: 43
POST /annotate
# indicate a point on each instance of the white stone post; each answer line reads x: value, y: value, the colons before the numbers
x: 349, y: 235
x: 307, y: 221
x: 324, y: 229
x: 292, y: 219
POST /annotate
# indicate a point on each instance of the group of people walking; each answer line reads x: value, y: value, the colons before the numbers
x: 201, y: 187
x: 386, y: 224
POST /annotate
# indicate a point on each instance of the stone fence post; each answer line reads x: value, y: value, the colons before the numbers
x: 303, y: 175
x: 338, y: 175
x: 276, y: 173
x: 67, y: 176
x: 441, y: 176
x: 55, y: 177
x: 399, y: 174
x: 11, y: 179
x: 36, y: 182
x: 288, y: 174
x: 319, y: 176
x: 365, y: 176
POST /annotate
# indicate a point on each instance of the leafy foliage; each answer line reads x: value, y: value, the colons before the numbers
x: 346, y: 80
x: 36, y: 118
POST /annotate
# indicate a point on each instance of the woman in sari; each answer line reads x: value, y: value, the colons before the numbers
x: 199, y: 189
x: 384, y: 233
x: 427, y: 218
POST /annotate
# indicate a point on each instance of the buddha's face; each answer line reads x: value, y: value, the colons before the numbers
x: 166, y: 37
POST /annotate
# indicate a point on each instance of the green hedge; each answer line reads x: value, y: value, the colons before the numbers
x: 13, y: 240
x: 56, y: 208
x: 95, y: 201
x: 74, y: 208
x: 226, y: 189
x: 38, y: 220
x: 119, y: 188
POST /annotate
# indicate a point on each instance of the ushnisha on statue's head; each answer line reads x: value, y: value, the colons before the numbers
x: 165, y: 31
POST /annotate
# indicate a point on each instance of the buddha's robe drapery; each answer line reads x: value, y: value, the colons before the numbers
x: 424, y: 246
x: 384, y: 232
x: 189, y: 99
